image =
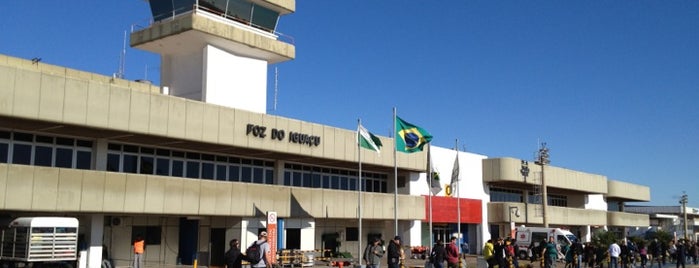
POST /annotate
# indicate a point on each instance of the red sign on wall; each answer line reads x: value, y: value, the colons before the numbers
x: 272, y: 235
x: 444, y: 210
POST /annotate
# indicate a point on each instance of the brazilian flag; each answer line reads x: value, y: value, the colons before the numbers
x: 410, y: 138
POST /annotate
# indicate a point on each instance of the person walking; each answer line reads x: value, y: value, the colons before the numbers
x: 488, y: 252
x: 264, y: 251
x: 643, y: 251
x: 499, y: 253
x: 694, y: 251
x: 438, y: 254
x: 373, y: 254
x: 614, y: 252
x: 656, y: 251
x: 233, y: 257
x: 452, y: 254
x: 578, y: 251
x: 139, y: 247
x: 394, y: 255
x: 465, y: 250
x: 550, y: 253
x: 680, y: 253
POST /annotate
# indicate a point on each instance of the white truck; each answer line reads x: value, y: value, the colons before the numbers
x: 40, y: 242
x: 526, y: 235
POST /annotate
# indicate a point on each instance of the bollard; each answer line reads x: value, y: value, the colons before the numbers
x: 195, y: 263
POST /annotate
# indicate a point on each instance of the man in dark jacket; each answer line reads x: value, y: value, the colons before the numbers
x: 681, y: 253
x: 394, y: 253
x: 438, y: 254
x: 499, y: 252
x: 656, y: 250
x: 233, y: 258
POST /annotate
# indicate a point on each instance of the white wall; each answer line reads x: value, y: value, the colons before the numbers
x: 234, y: 81
x: 595, y: 201
x: 470, y: 183
x: 182, y: 74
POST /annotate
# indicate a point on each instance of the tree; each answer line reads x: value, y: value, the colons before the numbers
x: 602, y: 238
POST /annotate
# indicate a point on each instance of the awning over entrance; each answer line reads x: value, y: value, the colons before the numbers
x: 444, y: 210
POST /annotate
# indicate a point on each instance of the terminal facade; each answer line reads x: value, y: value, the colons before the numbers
x: 195, y: 161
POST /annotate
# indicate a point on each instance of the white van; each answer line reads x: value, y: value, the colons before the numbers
x: 526, y: 235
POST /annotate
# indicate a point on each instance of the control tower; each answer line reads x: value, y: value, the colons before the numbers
x: 217, y: 51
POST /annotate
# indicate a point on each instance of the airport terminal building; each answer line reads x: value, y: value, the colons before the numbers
x: 196, y: 161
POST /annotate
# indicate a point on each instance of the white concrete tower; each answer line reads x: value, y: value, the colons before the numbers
x: 217, y: 51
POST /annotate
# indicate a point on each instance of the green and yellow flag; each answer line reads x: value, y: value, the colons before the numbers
x: 410, y: 138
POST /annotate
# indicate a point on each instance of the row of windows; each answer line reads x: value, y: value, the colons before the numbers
x: 241, y: 10
x: 146, y: 160
x: 327, y: 178
x: 41, y: 150
x: 510, y: 195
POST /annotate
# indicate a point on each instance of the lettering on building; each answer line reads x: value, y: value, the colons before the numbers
x: 280, y: 134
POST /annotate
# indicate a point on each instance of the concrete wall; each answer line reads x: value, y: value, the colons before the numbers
x: 32, y: 188
x: 56, y: 98
x: 627, y: 191
x: 508, y: 169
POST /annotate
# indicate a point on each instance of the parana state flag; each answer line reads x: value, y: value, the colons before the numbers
x: 368, y: 140
x: 410, y: 138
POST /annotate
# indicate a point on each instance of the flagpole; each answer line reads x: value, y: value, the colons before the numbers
x: 359, y: 193
x: 429, y: 178
x: 395, y: 175
x: 458, y: 199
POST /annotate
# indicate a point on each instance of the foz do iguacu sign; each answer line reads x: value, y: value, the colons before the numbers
x: 279, y: 134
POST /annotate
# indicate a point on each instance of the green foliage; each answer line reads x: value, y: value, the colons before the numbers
x: 639, y: 241
x: 602, y: 238
x: 662, y: 236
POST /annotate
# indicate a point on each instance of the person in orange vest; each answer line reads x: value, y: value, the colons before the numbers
x: 139, y: 246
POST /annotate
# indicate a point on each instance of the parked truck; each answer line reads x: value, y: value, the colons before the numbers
x: 40, y: 242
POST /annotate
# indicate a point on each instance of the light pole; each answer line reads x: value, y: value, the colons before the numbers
x: 524, y: 170
x: 683, y: 200
x: 542, y: 159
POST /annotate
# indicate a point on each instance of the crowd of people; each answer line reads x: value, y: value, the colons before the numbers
x: 622, y: 254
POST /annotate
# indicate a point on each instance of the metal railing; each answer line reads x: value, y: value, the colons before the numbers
x: 234, y: 21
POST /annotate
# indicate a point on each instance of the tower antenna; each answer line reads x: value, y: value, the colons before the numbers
x: 122, y: 60
x: 276, y: 87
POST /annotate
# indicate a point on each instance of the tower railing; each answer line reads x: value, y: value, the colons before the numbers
x: 183, y: 11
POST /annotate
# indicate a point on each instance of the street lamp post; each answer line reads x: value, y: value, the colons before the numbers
x: 514, y: 210
x: 524, y: 170
x: 683, y: 200
x: 542, y: 159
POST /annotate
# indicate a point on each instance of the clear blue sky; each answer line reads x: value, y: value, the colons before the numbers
x: 611, y: 86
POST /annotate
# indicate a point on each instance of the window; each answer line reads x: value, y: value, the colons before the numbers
x: 505, y: 195
x: 3, y: 152
x: 43, y: 156
x: 146, y: 165
x: 351, y: 234
x: 162, y: 166
x: 151, y: 234
x: 113, y: 161
x: 326, y: 178
x: 264, y: 18
x: 164, y: 162
x: 558, y: 200
x: 21, y: 154
x: 64, y: 157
